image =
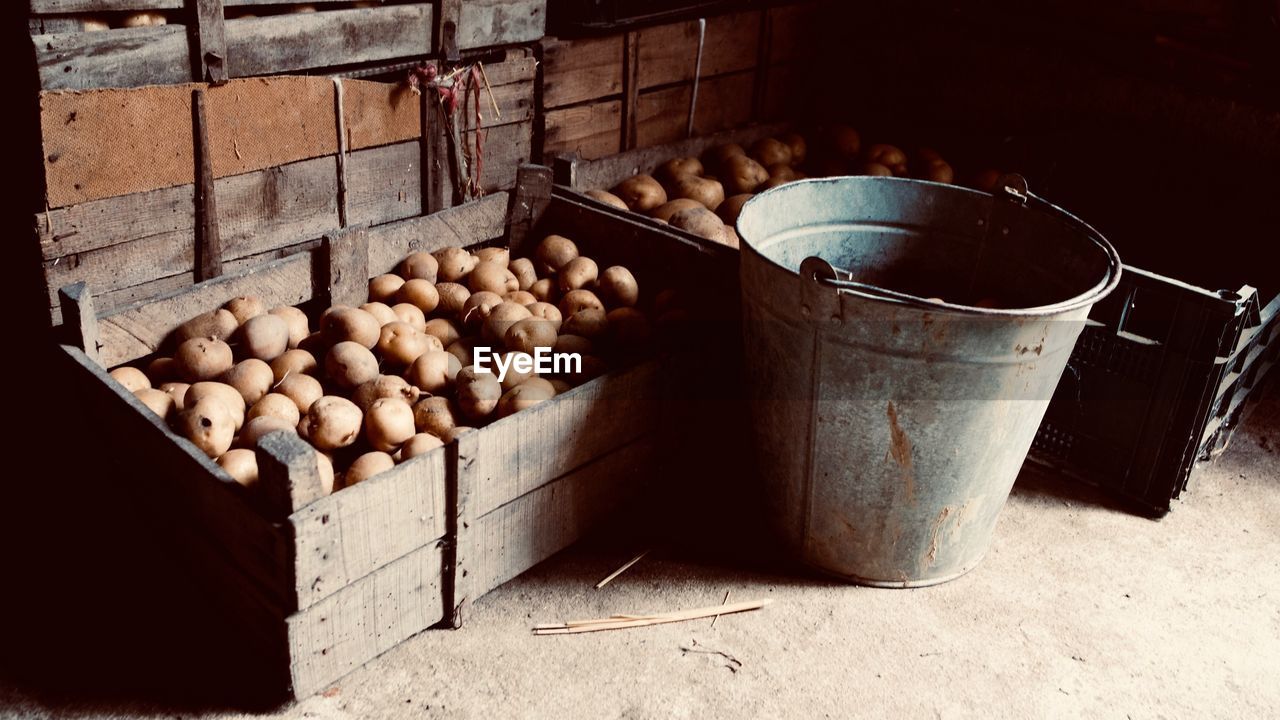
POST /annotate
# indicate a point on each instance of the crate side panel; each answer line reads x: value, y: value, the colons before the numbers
x: 591, y: 131
x: 384, y: 184
x: 127, y: 57
x: 484, y: 23
x: 574, y: 71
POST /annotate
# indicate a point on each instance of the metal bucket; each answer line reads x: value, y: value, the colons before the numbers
x: 890, y: 412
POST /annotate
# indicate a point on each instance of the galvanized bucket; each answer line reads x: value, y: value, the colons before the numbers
x: 903, y: 339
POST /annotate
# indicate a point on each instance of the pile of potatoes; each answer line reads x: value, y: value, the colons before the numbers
x: 375, y: 385
x: 704, y: 196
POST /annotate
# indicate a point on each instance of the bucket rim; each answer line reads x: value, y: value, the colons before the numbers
x: 1087, y: 298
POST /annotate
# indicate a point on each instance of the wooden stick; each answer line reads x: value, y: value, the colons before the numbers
x: 626, y: 566
x: 722, y: 602
x: 489, y: 89
x: 623, y: 622
x: 340, y: 112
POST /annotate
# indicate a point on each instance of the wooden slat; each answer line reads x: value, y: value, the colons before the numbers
x: 351, y: 533
x: 166, y: 215
x: 792, y: 31
x: 724, y: 102
x: 668, y: 52
x: 485, y: 23
x: 459, y: 226
x: 459, y: 549
x: 528, y: 202
x: 506, y: 148
x: 523, y: 452
x: 578, y: 70
x: 346, y: 268
x: 364, y: 620
x: 288, y: 473
x: 591, y: 131
x: 82, y: 319
x: 135, y: 332
x: 384, y: 184
x: 662, y: 115
x: 208, y: 43
x: 127, y: 57
x: 208, y: 245
x: 284, y: 43
x: 630, y: 89
x: 520, y: 534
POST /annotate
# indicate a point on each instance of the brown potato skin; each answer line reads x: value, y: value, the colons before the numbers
x: 743, y: 175
x: 641, y: 193
x: 707, y: 192
x: 732, y: 207
x: 607, y: 198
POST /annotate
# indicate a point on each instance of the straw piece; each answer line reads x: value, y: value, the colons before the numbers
x: 627, y: 565
x: 722, y: 602
x: 623, y: 622
x: 489, y: 88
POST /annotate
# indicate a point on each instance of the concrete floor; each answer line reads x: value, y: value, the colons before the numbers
x: 1079, y: 610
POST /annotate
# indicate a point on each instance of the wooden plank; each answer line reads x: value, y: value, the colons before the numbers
x: 339, y: 113
x: 284, y: 43
x: 346, y: 268
x: 515, y: 105
x: 437, y: 184
x: 126, y: 57
x: 288, y: 473
x: 578, y: 70
x: 208, y: 246
x: 264, y: 122
x: 668, y: 52
x: 528, y: 201
x: 630, y: 89
x: 787, y: 92
x: 82, y: 319
x: 262, y: 211
x: 459, y: 226
x: 53, y: 7
x: 208, y: 42
x: 364, y: 620
x: 792, y: 32
x: 506, y: 148
x: 484, y: 23
x: 138, y: 331
x: 724, y: 102
x: 458, y: 592
x: 523, y: 452
x: 351, y: 533
x: 167, y: 215
x: 591, y: 131
x: 384, y: 184
x: 522, y: 533
x: 105, y: 143
x: 662, y: 115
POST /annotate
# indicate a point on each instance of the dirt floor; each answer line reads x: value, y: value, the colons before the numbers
x: 1079, y: 610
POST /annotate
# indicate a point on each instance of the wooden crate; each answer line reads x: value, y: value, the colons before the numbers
x: 321, y: 584
x: 212, y: 40
x: 144, y: 195
x: 604, y: 95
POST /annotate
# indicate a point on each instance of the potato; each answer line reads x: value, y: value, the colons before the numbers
x: 443, y: 330
x: 208, y: 424
x: 388, y: 424
x: 773, y: 182
x: 781, y: 173
x: 741, y: 174
x: 544, y: 290
x: 699, y: 221
x: 938, y: 171
x: 629, y: 329
x: 716, y: 157
x: 769, y: 151
x: 162, y: 370
x: 641, y: 193
x: 707, y: 192
x: 350, y: 324
x: 325, y: 465
x: 245, y: 307
x: 203, y: 359
x: 875, y: 170
x: 381, y: 312
x: 520, y: 297
x: 367, y: 466
x: 399, y: 344
x: 303, y: 390
x: 349, y: 364
x: 492, y: 277
x: 384, y: 287
x: 528, y: 335
x: 260, y: 427
x: 671, y: 207
x: 524, y: 271
x: 453, y: 264
x: 799, y: 148
x: 554, y: 252
x: 607, y: 198
x: 422, y: 294
x: 177, y: 391
x: 419, y: 444
x: 617, y: 287
x: 478, y: 393
x: 157, y: 401
x: 252, y: 378
x: 674, y: 169
x: 574, y: 344
x: 264, y: 337
x: 514, y: 376
x: 732, y: 206
x: 435, y: 415
x: 419, y: 265
x: 315, y: 344
x: 218, y: 325
x: 131, y: 378
x: 453, y: 298
x: 846, y: 142
x: 548, y: 312
x: 223, y: 393
x: 242, y: 465
x: 888, y: 156
x: 292, y: 362
x: 578, y: 273
x: 464, y: 349
x: 498, y: 256
x: 383, y: 386
x: 333, y: 422
x: 501, y: 317
x: 589, y: 323
x: 477, y: 308
x: 299, y: 326
x: 560, y: 386
x: 730, y: 237
x: 275, y: 405
x: 524, y: 396
x: 986, y: 180
x: 576, y: 300
x: 410, y: 314
x: 434, y: 372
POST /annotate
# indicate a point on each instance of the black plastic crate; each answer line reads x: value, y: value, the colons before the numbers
x: 1159, y: 379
